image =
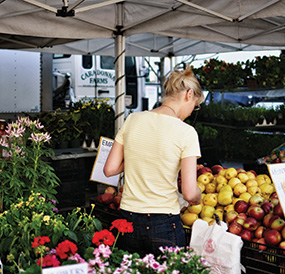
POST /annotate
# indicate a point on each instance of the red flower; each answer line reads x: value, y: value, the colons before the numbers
x: 40, y: 241
x: 103, y: 237
x: 122, y: 225
x: 48, y: 260
x: 66, y: 248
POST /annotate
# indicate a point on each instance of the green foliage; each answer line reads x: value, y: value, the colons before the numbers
x: 24, y: 169
x: 35, y: 216
x: 87, y: 117
x: 267, y: 71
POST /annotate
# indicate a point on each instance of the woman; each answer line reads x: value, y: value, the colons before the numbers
x: 151, y: 148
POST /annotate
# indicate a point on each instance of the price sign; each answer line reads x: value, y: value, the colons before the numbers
x: 97, y: 174
x: 67, y: 269
x: 277, y: 173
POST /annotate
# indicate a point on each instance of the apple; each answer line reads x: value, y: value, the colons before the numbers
x: 107, y: 198
x: 216, y: 169
x: 266, y: 219
x: 235, y: 228
x: 252, y: 171
x: 277, y: 224
x: 246, y: 235
x: 203, y: 170
x: 272, y: 237
x: 111, y: 189
x: 277, y: 210
x: 113, y: 206
x: 272, y: 219
x: 230, y: 173
x: 262, y: 244
x: 231, y: 216
x: 274, y: 198
x: 258, y: 233
x: 267, y: 207
x: 240, y: 170
x: 282, y: 246
x: 255, y: 200
x: 256, y: 212
x: 283, y: 233
x: 241, y: 206
x: 203, y: 178
x: 117, y: 200
x: 251, y: 224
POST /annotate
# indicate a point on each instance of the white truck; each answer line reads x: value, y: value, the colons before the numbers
x: 20, y: 81
x: 94, y: 77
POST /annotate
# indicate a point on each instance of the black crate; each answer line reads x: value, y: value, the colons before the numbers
x: 255, y: 260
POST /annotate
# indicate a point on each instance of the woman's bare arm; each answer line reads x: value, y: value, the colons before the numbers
x: 115, y: 161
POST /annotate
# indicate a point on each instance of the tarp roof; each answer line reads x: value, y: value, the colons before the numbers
x: 34, y: 24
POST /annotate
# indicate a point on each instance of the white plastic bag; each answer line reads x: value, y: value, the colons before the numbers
x: 219, y: 247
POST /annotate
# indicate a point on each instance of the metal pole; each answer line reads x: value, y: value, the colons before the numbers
x: 120, y: 83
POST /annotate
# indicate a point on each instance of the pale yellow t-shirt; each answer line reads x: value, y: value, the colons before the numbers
x: 154, y: 145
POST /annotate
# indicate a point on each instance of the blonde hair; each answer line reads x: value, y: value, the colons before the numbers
x: 179, y: 80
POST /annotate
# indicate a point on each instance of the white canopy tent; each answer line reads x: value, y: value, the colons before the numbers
x: 40, y: 24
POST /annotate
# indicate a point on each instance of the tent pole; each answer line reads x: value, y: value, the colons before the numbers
x: 120, y: 86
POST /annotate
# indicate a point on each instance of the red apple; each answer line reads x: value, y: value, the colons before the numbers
x: 277, y: 210
x: 266, y: 219
x: 203, y: 170
x: 256, y: 212
x: 277, y: 224
x: 258, y: 233
x: 241, y: 206
x: 262, y: 244
x: 240, y: 218
x: 216, y: 169
x: 251, y: 224
x: 235, y: 228
x: 231, y: 216
x: 274, y: 198
x: 267, y: 207
x: 113, y: 206
x: 246, y: 235
x: 107, y: 198
x: 272, y: 237
x: 272, y: 219
x: 117, y: 200
x: 255, y: 200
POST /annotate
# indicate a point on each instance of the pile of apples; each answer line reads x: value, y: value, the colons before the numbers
x: 111, y: 197
x: 246, y: 201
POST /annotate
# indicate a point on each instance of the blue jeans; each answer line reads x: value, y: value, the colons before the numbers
x: 152, y: 231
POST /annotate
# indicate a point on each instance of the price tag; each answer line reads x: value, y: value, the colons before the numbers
x: 67, y: 269
x: 277, y: 173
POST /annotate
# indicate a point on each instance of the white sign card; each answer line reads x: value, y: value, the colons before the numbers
x: 97, y: 174
x: 1, y: 266
x: 67, y: 269
x: 277, y: 173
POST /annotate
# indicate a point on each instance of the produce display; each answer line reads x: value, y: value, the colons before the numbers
x: 111, y: 197
x: 248, y: 202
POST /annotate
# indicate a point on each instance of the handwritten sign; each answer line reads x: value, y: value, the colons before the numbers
x: 67, y: 269
x: 97, y: 174
x: 277, y: 173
